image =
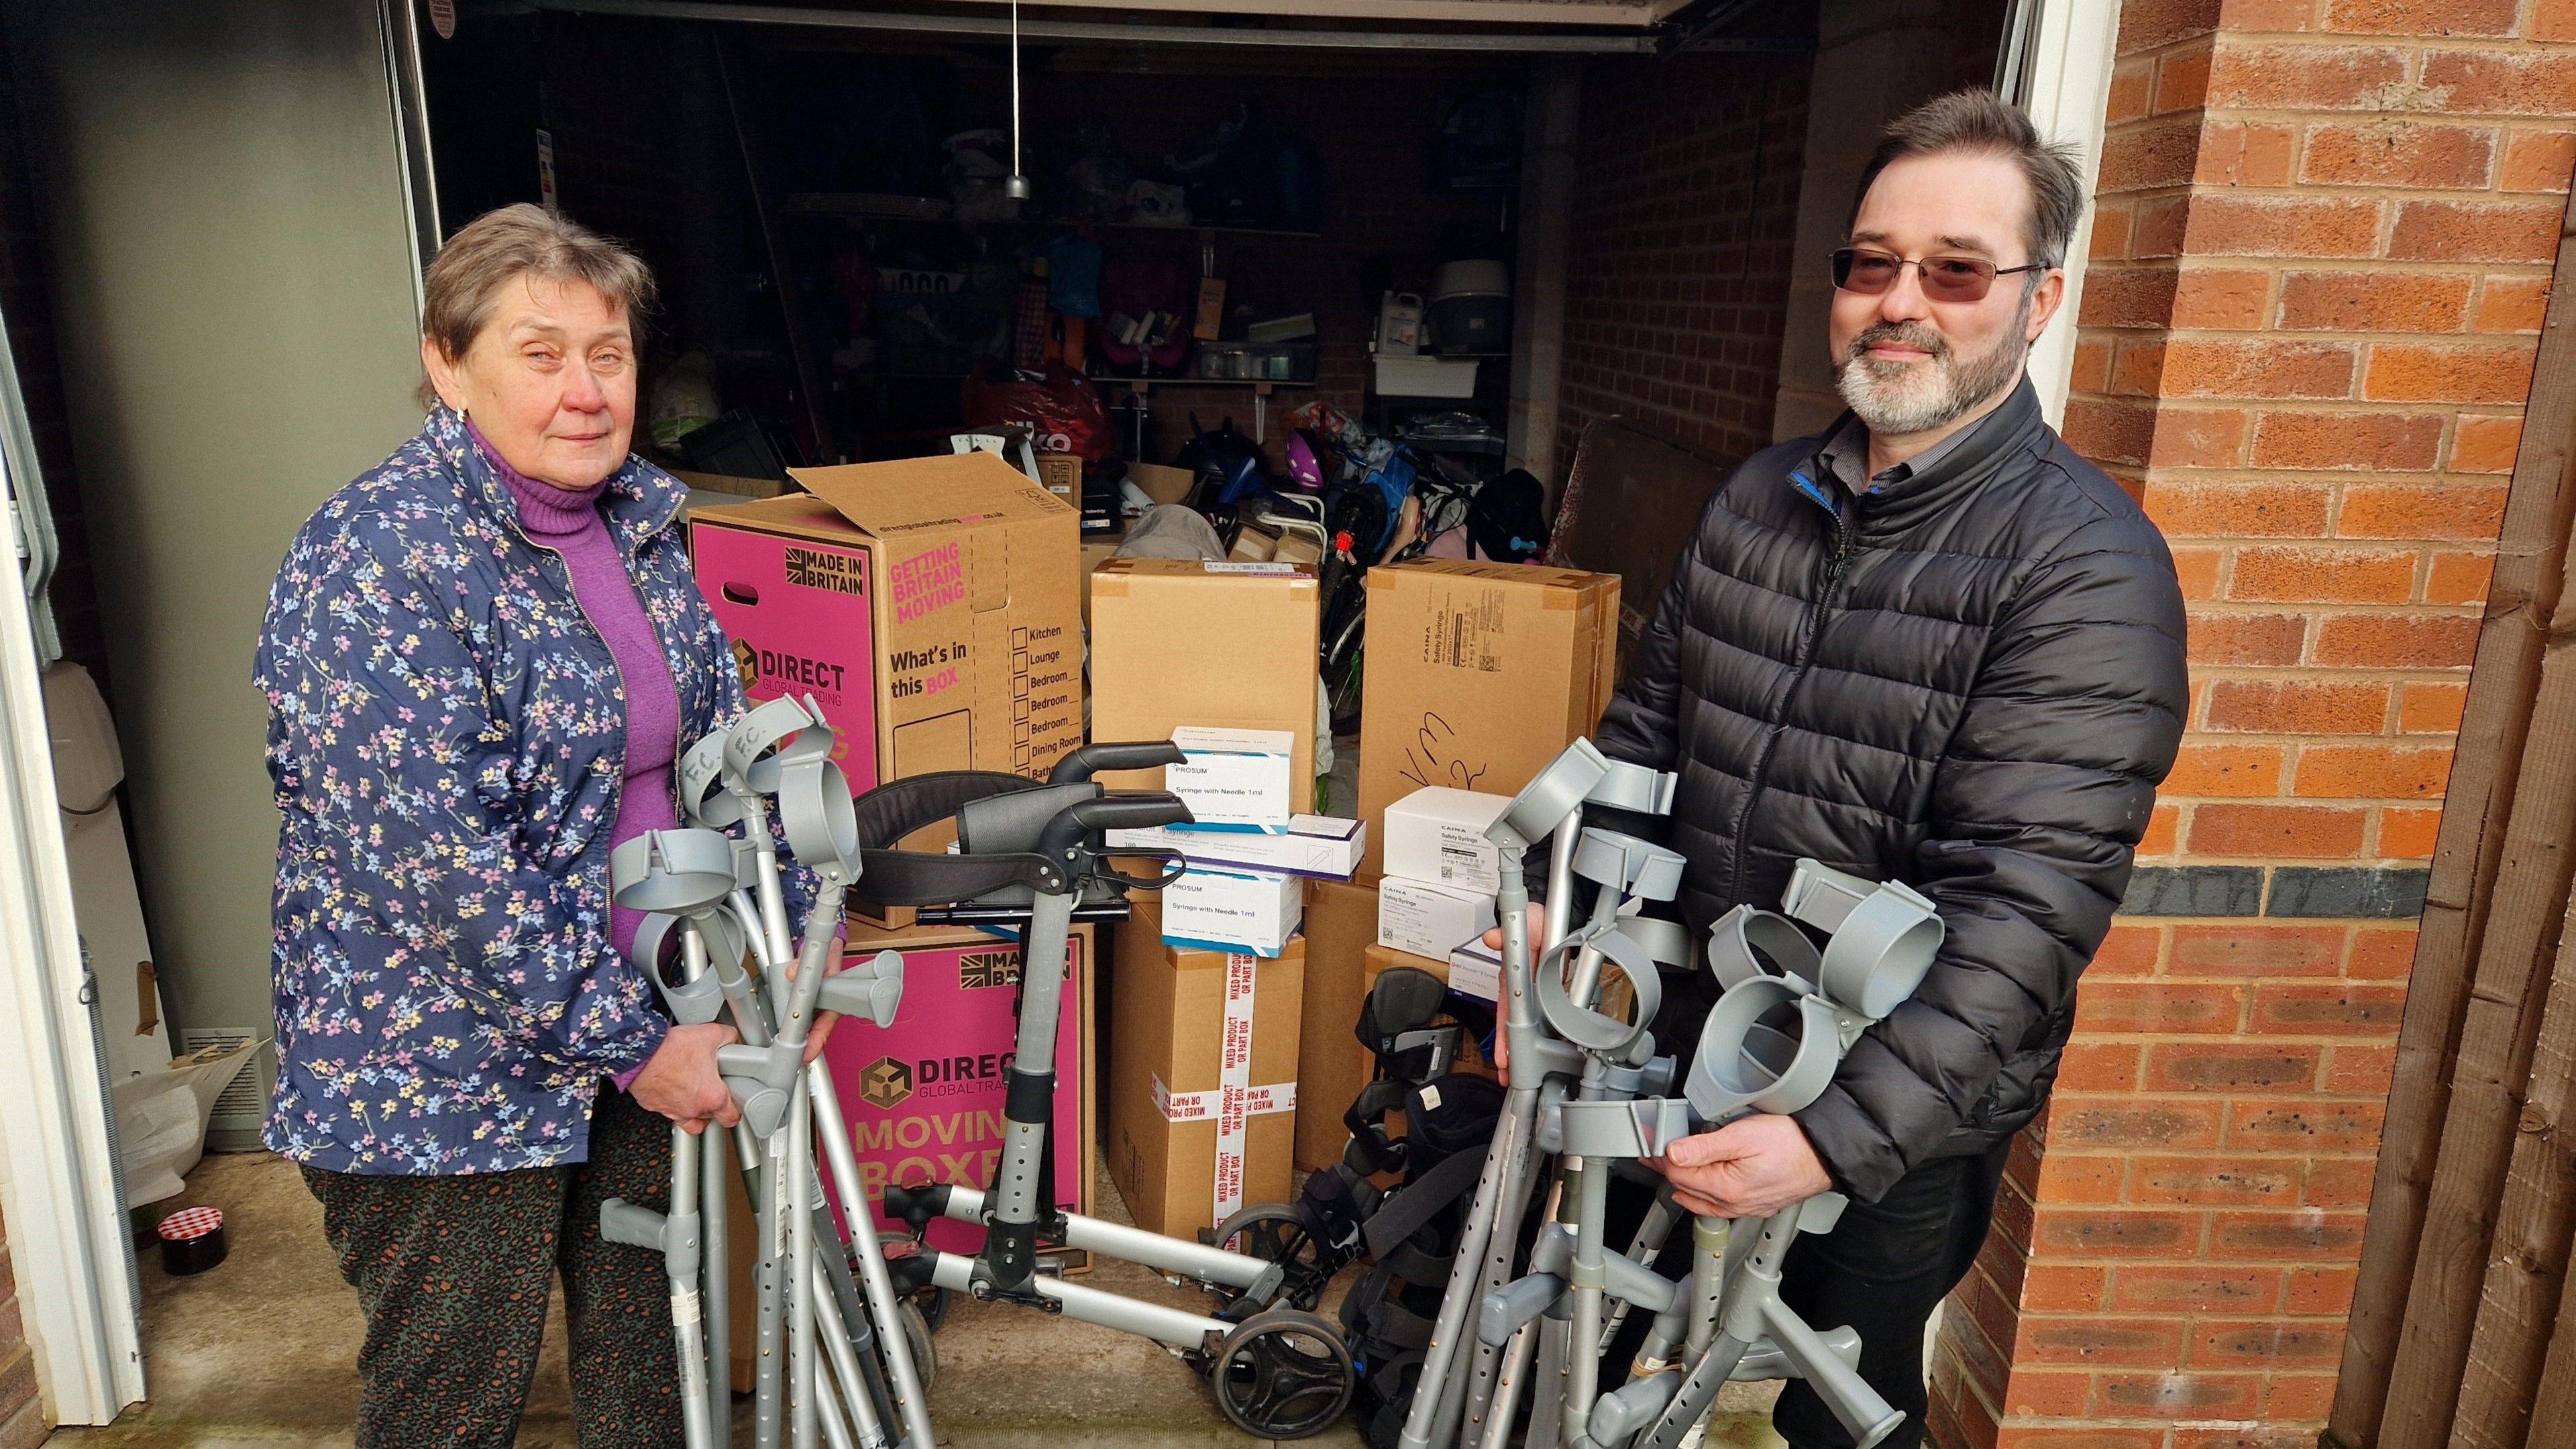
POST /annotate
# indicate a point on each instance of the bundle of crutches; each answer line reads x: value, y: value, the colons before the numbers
x: 1589, y: 1097
x: 840, y: 1358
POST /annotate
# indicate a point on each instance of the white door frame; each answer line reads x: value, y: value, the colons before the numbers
x: 2066, y: 86
x: 57, y: 1177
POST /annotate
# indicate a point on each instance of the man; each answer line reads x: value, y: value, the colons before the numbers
x: 1931, y: 644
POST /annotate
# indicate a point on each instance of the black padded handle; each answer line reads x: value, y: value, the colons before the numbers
x: 1089, y: 760
x: 1078, y: 822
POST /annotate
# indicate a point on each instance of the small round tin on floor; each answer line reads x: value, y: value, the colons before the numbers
x: 192, y: 1240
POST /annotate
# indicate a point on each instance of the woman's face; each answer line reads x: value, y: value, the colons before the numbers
x: 550, y: 380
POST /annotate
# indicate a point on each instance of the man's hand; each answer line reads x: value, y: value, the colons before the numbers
x: 1749, y: 1168
x: 680, y: 1080
x: 1494, y: 942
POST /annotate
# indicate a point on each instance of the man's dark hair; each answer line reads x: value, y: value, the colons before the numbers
x: 1979, y: 122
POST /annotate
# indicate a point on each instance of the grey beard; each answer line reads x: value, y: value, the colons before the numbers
x: 1899, y: 399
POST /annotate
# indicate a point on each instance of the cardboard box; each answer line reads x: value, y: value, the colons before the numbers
x: 1438, y: 834
x: 1226, y: 908
x: 1478, y: 675
x: 1332, y: 1066
x: 1477, y: 972
x: 1223, y: 646
x: 728, y: 483
x: 1429, y: 919
x: 1234, y: 777
x: 932, y: 605
x: 1200, y: 1040
x: 1210, y: 323
x: 1162, y: 484
x: 923, y: 1098
x: 1061, y: 475
x: 1314, y: 845
x: 1096, y: 551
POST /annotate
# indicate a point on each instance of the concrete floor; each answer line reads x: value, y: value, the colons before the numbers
x: 260, y: 1354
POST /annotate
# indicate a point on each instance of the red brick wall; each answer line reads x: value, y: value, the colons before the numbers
x: 1686, y: 205
x: 2321, y: 252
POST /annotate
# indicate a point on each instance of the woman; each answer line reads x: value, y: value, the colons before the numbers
x: 482, y: 659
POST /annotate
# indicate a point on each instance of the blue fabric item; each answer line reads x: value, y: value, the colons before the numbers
x: 448, y: 744
x: 1073, y: 276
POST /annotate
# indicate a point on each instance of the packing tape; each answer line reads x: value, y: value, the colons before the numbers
x: 1201, y: 1106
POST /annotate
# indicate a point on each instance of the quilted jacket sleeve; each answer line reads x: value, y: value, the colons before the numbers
x: 396, y: 776
x: 1642, y: 723
x: 2038, y: 805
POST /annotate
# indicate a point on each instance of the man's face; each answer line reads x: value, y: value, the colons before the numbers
x: 1906, y: 362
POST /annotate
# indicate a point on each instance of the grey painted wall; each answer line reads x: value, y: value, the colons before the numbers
x: 231, y: 263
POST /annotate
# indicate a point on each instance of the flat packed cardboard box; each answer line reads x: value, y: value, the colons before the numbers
x: 1427, y: 918
x: 1179, y: 1020
x: 932, y: 606
x: 1478, y: 675
x: 1332, y: 1066
x: 1224, y: 646
x: 923, y: 1098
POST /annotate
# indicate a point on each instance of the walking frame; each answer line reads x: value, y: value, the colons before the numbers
x: 845, y: 1357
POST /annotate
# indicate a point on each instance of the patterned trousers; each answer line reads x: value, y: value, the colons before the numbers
x: 454, y: 1274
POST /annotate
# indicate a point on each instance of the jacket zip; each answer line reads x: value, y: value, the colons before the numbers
x: 626, y: 696
x: 1806, y: 661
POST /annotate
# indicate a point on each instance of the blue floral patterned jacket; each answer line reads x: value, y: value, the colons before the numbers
x: 447, y: 737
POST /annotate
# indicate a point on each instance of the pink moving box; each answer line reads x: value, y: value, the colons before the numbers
x: 924, y: 1097
x: 802, y: 625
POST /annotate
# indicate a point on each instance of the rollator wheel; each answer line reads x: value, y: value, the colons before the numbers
x: 1283, y: 1374
x: 916, y: 1334
x: 1274, y: 1233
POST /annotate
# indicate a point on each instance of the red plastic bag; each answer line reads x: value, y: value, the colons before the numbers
x: 1058, y: 404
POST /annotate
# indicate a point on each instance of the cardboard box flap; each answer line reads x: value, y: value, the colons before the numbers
x: 908, y: 495
x: 1112, y: 577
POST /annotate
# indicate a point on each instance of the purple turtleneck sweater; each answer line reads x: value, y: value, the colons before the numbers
x: 571, y: 524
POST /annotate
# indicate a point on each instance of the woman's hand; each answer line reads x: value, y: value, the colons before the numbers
x: 821, y: 1031
x: 681, y: 1081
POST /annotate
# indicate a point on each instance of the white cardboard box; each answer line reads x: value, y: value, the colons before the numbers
x: 1317, y: 845
x: 1438, y: 834
x: 1475, y: 971
x: 1219, y: 908
x: 1430, y: 919
x: 1233, y: 777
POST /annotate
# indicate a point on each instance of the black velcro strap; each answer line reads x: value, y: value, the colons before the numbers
x: 1406, y: 1210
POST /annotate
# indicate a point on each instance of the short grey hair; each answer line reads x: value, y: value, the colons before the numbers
x: 462, y: 285
x: 1979, y: 122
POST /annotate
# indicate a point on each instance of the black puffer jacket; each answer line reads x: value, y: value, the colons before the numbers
x: 1971, y: 681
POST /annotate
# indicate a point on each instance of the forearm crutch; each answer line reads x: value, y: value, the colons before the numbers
x: 783, y: 747
x: 1771, y: 1044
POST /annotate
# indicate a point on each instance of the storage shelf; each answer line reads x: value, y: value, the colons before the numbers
x: 834, y: 203
x: 1257, y: 384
